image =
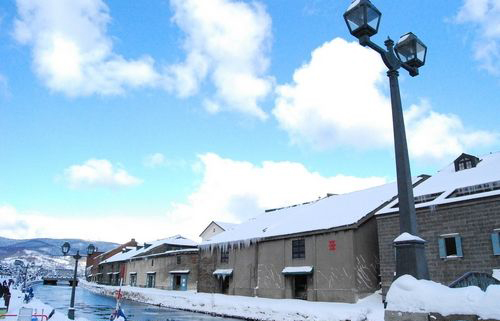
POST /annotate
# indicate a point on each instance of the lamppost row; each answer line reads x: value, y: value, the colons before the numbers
x: 363, y: 20
x: 65, y: 250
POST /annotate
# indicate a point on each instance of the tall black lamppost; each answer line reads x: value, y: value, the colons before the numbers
x: 65, y: 249
x: 363, y: 19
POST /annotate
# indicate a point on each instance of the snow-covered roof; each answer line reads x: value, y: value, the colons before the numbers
x: 223, y: 272
x: 193, y: 250
x: 448, y: 186
x: 173, y: 240
x: 297, y: 270
x: 330, y: 212
x: 179, y: 272
x: 225, y: 226
x: 407, y: 237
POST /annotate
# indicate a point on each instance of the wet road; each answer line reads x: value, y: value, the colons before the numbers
x: 96, y: 307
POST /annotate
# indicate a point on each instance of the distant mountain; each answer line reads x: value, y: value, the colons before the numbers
x: 46, y: 246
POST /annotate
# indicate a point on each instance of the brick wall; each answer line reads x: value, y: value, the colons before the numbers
x: 474, y: 220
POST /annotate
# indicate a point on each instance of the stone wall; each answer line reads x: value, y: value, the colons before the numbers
x: 345, y: 266
x: 162, y: 266
x: 474, y: 220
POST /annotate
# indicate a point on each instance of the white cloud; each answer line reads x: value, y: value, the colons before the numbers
x: 155, y: 160
x: 98, y: 173
x: 484, y: 15
x: 72, y: 52
x: 234, y: 191
x: 227, y: 42
x: 229, y: 190
x: 440, y: 136
x: 115, y: 228
x: 336, y: 100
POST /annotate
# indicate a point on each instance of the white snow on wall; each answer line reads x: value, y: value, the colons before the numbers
x: 408, y: 294
x: 447, y: 180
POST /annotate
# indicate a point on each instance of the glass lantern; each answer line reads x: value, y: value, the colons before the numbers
x: 411, y: 50
x: 362, y: 18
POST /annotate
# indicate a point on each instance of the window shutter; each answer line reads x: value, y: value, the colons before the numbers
x: 442, y: 248
x: 458, y: 243
x: 496, y: 243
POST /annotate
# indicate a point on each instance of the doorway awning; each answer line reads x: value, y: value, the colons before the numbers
x: 223, y: 272
x: 179, y: 272
x: 297, y: 270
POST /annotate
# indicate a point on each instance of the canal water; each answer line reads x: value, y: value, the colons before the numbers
x: 96, y: 307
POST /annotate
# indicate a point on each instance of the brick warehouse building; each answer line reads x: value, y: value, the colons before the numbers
x: 324, y: 250
x: 170, y: 263
x: 458, y: 214
x: 92, y: 271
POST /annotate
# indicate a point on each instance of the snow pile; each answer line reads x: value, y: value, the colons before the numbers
x: 369, y: 308
x: 408, y: 294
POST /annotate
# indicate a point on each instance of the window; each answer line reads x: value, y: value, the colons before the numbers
x: 133, y: 279
x: 178, y: 259
x: 151, y: 280
x: 495, y: 241
x: 152, y: 262
x: 224, y: 256
x: 299, y: 249
x: 450, y: 246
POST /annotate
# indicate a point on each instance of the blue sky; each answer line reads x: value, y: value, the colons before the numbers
x: 123, y: 119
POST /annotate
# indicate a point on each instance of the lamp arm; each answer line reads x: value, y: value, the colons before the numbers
x: 411, y: 70
x: 388, y: 57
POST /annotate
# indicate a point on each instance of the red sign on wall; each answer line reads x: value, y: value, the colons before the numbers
x: 332, y: 245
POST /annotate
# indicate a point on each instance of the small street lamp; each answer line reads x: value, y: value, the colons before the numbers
x: 65, y: 250
x: 363, y: 19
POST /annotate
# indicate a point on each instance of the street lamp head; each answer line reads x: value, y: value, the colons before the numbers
x: 90, y: 249
x: 65, y: 248
x: 411, y: 50
x: 362, y: 18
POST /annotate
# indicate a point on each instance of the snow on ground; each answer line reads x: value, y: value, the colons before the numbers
x: 370, y: 308
x: 16, y: 302
x: 408, y: 294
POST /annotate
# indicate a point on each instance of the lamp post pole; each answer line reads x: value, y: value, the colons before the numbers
x: 65, y: 250
x: 71, y: 310
x: 363, y: 19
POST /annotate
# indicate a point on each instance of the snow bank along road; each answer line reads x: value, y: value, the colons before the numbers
x: 250, y: 308
x: 16, y: 303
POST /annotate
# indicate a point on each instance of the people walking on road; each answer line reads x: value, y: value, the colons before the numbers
x: 6, y: 294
